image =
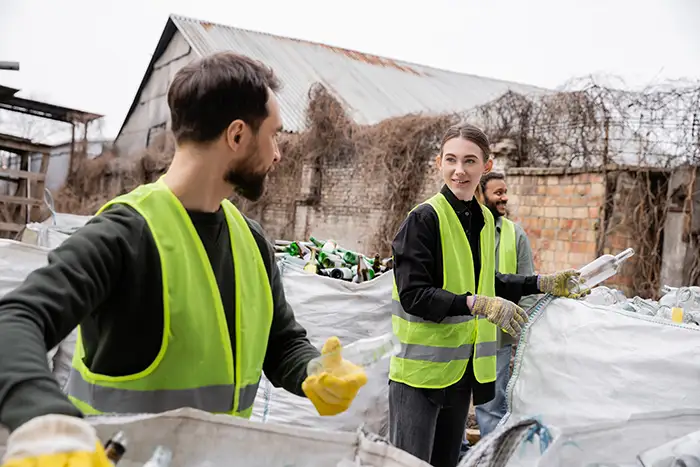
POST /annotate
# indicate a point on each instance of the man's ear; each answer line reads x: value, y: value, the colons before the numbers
x: 235, y: 134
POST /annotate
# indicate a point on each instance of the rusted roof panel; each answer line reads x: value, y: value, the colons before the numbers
x: 372, y: 88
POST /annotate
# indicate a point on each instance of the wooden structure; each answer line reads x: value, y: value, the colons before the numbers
x: 25, y: 201
x: 25, y: 204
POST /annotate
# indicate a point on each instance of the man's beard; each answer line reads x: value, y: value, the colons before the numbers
x: 247, y: 181
x: 494, y: 210
x: 249, y: 184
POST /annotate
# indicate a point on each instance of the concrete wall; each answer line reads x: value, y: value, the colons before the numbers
x: 59, y: 162
x: 681, y: 247
x: 340, y: 200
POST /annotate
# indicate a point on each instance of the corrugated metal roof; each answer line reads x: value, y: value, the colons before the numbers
x: 371, y: 88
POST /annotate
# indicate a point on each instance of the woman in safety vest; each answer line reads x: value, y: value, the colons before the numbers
x: 448, y: 303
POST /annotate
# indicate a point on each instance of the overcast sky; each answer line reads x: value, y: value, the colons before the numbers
x: 91, y: 54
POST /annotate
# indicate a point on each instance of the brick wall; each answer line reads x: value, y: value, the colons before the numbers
x: 561, y: 213
x: 564, y: 211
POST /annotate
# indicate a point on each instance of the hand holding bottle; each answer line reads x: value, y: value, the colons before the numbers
x: 55, y: 441
x: 503, y: 313
x: 566, y: 284
x: 333, y: 390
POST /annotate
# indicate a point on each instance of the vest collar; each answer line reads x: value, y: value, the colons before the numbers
x: 471, y: 207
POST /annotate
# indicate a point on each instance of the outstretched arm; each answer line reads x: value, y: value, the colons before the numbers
x: 50, y: 303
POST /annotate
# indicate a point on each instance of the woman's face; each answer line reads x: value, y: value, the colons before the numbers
x: 462, y: 165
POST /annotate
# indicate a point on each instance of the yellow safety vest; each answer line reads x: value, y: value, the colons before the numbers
x: 435, y: 355
x: 195, y: 366
x: 507, y: 249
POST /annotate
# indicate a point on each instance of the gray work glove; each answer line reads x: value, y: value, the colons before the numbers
x: 560, y: 284
x: 504, y: 314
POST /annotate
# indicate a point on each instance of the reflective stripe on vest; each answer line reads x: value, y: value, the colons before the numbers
x: 195, y: 364
x: 216, y: 399
x: 435, y: 355
x: 507, y: 249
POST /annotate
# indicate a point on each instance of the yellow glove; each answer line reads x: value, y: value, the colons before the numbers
x: 559, y: 284
x: 333, y: 390
x: 55, y: 441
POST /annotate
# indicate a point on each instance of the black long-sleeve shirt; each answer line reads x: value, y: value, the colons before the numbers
x: 418, y: 264
x: 107, y: 277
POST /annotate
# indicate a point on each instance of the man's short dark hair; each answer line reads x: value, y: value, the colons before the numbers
x: 490, y: 176
x: 211, y: 92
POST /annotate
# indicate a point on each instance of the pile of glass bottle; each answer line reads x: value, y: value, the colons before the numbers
x: 685, y: 299
x: 326, y: 258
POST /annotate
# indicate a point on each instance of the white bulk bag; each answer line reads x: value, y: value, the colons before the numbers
x: 604, y: 384
x: 330, y: 307
x: 200, y: 439
x: 610, y: 444
x: 17, y: 261
x: 579, y: 363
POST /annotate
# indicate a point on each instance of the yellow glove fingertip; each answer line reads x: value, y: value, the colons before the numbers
x: 332, y: 344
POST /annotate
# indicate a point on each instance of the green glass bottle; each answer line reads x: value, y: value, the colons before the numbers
x: 329, y: 260
x: 293, y: 249
x: 348, y: 256
x: 317, y: 242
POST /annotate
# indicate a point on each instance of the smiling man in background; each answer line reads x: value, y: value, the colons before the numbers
x: 513, y: 256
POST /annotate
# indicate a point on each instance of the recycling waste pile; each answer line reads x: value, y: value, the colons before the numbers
x: 285, y: 429
x: 326, y: 258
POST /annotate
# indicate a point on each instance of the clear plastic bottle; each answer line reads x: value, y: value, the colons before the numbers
x: 363, y: 352
x: 688, y: 298
x: 645, y: 307
x: 161, y: 457
x: 667, y: 289
x: 602, y: 296
x: 598, y: 270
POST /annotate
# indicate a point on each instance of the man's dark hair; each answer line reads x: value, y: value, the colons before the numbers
x: 211, y: 92
x: 488, y: 177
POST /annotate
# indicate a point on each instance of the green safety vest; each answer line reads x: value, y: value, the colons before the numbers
x: 507, y: 264
x: 507, y: 250
x: 195, y: 366
x: 435, y: 355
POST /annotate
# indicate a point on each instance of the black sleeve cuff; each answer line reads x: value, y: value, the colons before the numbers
x: 530, y: 286
x: 459, y: 306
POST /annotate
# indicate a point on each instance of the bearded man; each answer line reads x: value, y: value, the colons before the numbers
x: 177, y: 295
x: 513, y: 256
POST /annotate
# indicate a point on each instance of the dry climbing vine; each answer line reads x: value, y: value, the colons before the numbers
x: 588, y: 125
x: 584, y: 125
